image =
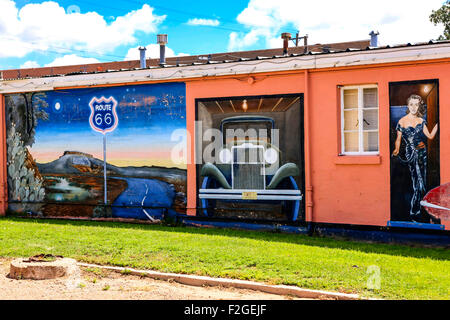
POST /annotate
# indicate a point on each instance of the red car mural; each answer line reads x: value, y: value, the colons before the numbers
x: 437, y: 202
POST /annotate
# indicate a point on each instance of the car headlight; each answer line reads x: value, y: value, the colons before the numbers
x: 225, y: 156
x: 271, y: 156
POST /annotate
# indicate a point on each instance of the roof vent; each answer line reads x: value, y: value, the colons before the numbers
x: 326, y: 49
x: 286, y: 36
x: 162, y: 40
x: 142, y: 57
x: 374, y: 38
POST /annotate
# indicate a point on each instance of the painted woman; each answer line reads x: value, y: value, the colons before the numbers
x: 413, y: 130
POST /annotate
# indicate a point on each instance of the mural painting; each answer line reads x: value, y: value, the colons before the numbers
x: 414, y: 138
x: 57, y: 142
x: 251, y: 152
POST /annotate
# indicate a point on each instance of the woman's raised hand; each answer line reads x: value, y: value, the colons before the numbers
x: 433, y: 132
x: 435, y: 129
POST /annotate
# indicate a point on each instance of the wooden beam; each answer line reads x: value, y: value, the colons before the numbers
x: 231, y: 102
x: 220, y: 107
x: 290, y: 104
x: 279, y: 101
x: 260, y: 103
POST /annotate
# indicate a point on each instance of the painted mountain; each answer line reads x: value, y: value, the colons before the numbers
x: 74, y: 162
x: 145, y: 193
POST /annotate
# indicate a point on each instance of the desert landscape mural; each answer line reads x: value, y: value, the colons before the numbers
x: 55, y: 158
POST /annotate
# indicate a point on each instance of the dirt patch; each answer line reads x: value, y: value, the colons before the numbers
x: 42, y: 267
x: 97, y: 284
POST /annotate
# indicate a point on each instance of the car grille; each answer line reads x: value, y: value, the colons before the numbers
x: 248, y: 168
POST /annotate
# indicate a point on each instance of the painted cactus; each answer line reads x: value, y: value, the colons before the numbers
x: 25, y: 184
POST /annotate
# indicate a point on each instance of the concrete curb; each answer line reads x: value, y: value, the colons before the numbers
x: 231, y: 283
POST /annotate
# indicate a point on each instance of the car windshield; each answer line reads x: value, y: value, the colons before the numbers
x: 257, y: 132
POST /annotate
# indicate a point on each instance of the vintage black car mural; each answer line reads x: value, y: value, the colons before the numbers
x: 249, y: 170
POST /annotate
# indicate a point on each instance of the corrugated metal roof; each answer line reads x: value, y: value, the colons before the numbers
x: 317, y: 49
x: 173, y: 61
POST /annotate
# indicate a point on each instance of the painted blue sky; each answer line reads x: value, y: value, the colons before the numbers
x: 49, y: 33
x: 148, y: 115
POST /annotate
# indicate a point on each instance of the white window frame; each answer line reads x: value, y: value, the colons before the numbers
x: 360, y: 120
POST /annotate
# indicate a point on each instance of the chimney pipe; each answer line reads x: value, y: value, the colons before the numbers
x: 305, y: 44
x: 142, y: 57
x: 286, y: 36
x: 374, y: 38
x: 162, y: 41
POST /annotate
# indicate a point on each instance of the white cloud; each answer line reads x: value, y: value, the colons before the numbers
x: 327, y: 21
x: 203, y: 22
x: 30, y: 64
x: 47, y: 26
x: 71, y: 59
x: 152, y: 52
x: 239, y: 42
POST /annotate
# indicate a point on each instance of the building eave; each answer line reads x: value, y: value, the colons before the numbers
x: 368, y: 57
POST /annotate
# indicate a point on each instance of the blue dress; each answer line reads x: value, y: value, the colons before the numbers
x: 416, y: 159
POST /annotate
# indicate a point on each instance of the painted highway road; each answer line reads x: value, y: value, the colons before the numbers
x: 144, y: 199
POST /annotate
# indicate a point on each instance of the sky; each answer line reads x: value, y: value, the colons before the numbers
x: 63, y: 32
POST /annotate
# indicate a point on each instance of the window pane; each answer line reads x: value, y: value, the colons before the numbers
x: 370, y: 98
x: 370, y: 118
x: 370, y: 141
x: 350, y: 98
x: 351, y: 120
x: 351, y: 142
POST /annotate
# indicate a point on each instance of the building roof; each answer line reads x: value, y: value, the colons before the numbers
x: 237, y: 66
x: 180, y: 61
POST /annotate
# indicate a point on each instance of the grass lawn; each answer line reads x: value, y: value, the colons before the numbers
x: 309, y: 262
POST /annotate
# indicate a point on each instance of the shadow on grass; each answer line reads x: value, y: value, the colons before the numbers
x: 366, y: 247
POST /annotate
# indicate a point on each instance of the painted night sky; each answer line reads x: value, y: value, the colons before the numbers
x: 148, y: 114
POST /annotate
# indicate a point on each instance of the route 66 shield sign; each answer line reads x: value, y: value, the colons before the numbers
x: 103, y: 116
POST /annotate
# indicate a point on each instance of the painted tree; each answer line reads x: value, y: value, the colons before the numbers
x: 442, y: 16
x: 24, y: 180
x: 25, y: 184
x: 25, y: 110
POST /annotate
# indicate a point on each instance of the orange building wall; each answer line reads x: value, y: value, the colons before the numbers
x: 242, y: 86
x: 350, y: 189
x: 347, y: 190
